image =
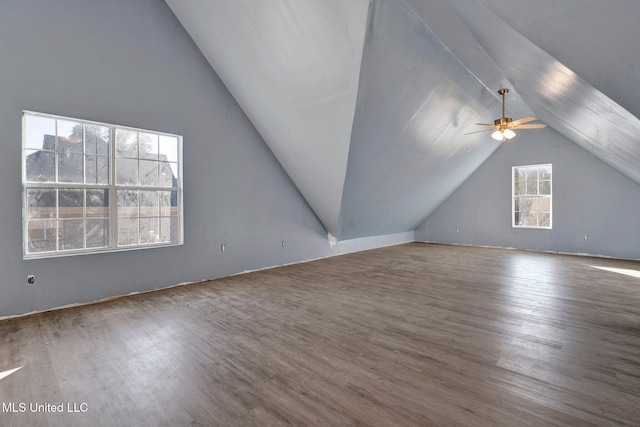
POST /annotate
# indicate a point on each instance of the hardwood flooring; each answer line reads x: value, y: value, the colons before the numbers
x: 415, y: 334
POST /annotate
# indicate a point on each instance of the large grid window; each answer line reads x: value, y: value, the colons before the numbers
x: 531, y: 203
x: 94, y: 187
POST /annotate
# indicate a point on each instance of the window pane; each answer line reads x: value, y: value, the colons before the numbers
x: 127, y: 231
x: 522, y: 219
x: 97, y: 170
x: 545, y: 187
x: 96, y: 139
x: 545, y: 172
x: 525, y: 210
x: 165, y: 230
x: 127, y: 171
x: 168, y: 175
x: 525, y: 204
x: 534, y: 203
x: 71, y: 203
x: 544, y: 220
x: 168, y: 148
x: 41, y: 236
x: 97, y: 203
x: 148, y: 146
x: 127, y: 204
x: 40, y: 132
x: 126, y: 143
x: 168, y: 203
x: 530, y: 177
x: 41, y: 166
x: 532, y: 186
x: 70, y: 137
x: 533, y: 217
x: 517, y: 175
x: 149, y: 230
x: 71, y: 234
x: 97, y: 233
x: 169, y: 230
x: 41, y: 203
x: 149, y: 173
x: 149, y: 205
x: 545, y: 204
x: 175, y: 230
x: 70, y: 168
x: 516, y: 218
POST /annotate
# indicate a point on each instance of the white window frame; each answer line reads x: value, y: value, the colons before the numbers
x: 535, y: 196
x: 112, y: 186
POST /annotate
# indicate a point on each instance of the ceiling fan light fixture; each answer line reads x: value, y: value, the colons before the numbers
x: 501, y: 135
x: 508, y: 133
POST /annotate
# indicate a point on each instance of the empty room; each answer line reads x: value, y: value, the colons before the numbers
x: 320, y: 212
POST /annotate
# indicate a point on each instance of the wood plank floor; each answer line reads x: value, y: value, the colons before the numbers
x: 415, y: 334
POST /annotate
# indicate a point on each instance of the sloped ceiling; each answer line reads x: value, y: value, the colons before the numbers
x: 293, y: 67
x: 557, y: 94
x: 365, y: 102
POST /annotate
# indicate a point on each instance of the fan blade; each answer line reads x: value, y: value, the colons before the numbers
x: 530, y: 126
x: 522, y: 120
x: 485, y: 124
x: 478, y: 131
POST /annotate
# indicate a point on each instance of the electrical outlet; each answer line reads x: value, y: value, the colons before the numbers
x: 31, y: 279
x: 223, y: 248
x: 586, y: 237
x: 283, y: 243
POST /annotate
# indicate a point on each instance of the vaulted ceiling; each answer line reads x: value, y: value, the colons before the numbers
x: 365, y: 102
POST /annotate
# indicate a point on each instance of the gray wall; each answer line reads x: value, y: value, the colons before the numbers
x: 589, y: 198
x: 131, y: 63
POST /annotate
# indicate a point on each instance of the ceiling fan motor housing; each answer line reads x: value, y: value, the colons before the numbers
x: 502, y: 122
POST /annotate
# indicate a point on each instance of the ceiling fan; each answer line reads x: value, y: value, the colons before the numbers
x: 503, y: 127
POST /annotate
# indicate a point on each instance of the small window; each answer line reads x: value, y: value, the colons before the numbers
x: 90, y: 187
x: 531, y: 203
